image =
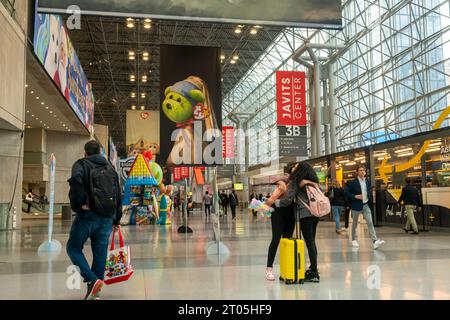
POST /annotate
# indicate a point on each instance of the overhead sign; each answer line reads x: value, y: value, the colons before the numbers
x: 299, y: 13
x: 293, y: 141
x: 228, y: 142
x: 291, y: 98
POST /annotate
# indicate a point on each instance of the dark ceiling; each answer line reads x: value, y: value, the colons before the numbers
x: 103, y: 46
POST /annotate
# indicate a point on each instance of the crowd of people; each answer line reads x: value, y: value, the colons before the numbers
x: 98, y: 213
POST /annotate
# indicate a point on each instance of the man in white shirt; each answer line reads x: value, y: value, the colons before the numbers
x: 359, y: 193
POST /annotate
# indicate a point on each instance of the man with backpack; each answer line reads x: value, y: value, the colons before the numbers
x: 360, y: 195
x: 95, y: 196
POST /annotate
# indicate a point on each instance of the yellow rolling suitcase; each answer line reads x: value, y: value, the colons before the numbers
x: 292, y: 258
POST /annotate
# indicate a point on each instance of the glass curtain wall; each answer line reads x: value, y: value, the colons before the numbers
x: 392, y: 78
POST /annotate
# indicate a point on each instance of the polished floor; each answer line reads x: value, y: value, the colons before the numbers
x: 175, y: 266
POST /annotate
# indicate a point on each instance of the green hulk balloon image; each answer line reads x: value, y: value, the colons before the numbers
x: 181, y: 98
x: 186, y: 102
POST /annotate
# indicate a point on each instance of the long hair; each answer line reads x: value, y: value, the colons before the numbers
x: 303, y: 171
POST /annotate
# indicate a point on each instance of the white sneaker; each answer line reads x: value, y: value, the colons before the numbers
x: 269, y: 274
x: 355, y: 244
x: 377, y: 244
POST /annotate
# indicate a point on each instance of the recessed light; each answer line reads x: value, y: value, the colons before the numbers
x: 233, y: 61
x: 235, y: 57
x: 32, y: 92
x: 46, y: 108
x: 238, y: 30
x: 37, y: 98
x: 130, y: 23
x: 32, y: 115
x: 51, y: 112
x: 133, y: 107
x: 142, y: 107
x: 143, y: 95
x: 42, y: 103
x: 40, y: 121
x: 28, y: 111
x: 253, y: 31
x: 26, y: 86
x: 222, y: 57
x: 37, y: 118
x: 148, y: 20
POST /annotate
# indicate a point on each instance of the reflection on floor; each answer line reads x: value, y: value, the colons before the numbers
x: 174, y: 266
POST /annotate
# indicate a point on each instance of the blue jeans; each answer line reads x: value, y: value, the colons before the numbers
x: 98, y: 229
x: 337, y: 210
x: 367, y: 214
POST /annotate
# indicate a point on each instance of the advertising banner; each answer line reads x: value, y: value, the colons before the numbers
x: 184, y: 172
x: 191, y: 117
x: 291, y: 98
x: 55, y: 51
x: 113, y: 155
x: 176, y: 174
x: 125, y: 167
x: 143, y: 133
x: 293, y: 141
x: 300, y: 13
x: 228, y: 142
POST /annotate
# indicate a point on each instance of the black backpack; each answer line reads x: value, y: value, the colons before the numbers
x: 104, y: 184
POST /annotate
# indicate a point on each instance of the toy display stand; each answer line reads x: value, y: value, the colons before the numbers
x: 140, y: 191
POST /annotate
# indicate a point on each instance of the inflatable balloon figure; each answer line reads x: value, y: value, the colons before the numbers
x: 263, y: 209
x: 165, y: 204
x: 187, y: 102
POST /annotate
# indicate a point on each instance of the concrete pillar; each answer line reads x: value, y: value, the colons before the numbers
x: 332, y: 103
x: 318, y: 110
x: 326, y: 125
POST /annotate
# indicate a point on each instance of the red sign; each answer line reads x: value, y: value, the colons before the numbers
x: 184, y: 172
x: 228, y: 142
x: 291, y: 98
x: 177, y: 174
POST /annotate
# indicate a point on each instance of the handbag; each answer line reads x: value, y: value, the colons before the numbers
x: 118, y: 264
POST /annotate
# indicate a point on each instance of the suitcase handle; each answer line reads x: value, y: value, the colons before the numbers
x: 298, y: 233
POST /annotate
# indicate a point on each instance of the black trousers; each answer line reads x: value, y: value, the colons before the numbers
x: 283, y: 225
x: 309, y: 227
x: 233, y: 211
x: 29, y: 207
x: 347, y: 217
x: 225, y: 209
x: 207, y: 209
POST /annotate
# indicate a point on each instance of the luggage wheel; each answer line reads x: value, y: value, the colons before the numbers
x: 301, y: 281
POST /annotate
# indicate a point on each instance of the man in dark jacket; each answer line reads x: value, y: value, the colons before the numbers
x: 234, y: 202
x: 360, y: 195
x: 224, y: 202
x: 411, y: 199
x: 90, y: 222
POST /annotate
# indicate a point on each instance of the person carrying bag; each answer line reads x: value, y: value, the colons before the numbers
x: 118, y: 264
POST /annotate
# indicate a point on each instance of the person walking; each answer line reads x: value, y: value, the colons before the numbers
x: 338, y: 201
x: 359, y: 194
x: 301, y: 175
x: 224, y: 202
x: 95, y: 197
x: 29, y: 200
x: 234, y: 202
x: 207, y: 202
x: 283, y: 225
x: 411, y: 198
x: 253, y: 196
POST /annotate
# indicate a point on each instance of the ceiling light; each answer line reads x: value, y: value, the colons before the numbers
x: 46, y: 108
x: 253, y: 31
x: 350, y: 163
x: 133, y: 94
x: 435, y: 144
x: 405, y: 154
x: 130, y: 23
x: 28, y: 111
x: 360, y: 158
x: 37, y: 118
x: 51, y: 112
x: 26, y: 86
x: 142, y: 107
x: 233, y: 61
x: 222, y: 56
x: 380, y: 154
x: 132, y: 78
x: 235, y: 57
x: 433, y: 150
x: 143, y: 95
x: 40, y: 121
x: 37, y: 98
x: 144, y: 78
x: 133, y: 107
x: 147, y: 23
x: 32, y: 92
x: 403, y: 150
x: 344, y: 161
x: 258, y: 27
x: 145, y: 56
x: 42, y: 103
x: 238, y: 30
x: 68, y: 130
x: 32, y: 115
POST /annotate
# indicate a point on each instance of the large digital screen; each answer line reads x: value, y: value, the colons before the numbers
x: 55, y: 51
x: 300, y: 13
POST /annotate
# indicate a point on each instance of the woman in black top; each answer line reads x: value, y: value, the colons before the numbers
x: 283, y: 224
x: 338, y: 202
x: 301, y: 175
